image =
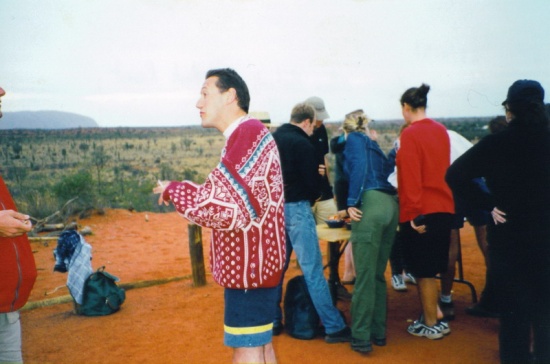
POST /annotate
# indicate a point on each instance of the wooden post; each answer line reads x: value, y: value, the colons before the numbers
x: 196, y: 254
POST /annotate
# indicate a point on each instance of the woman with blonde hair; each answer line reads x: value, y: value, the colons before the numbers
x: 373, y: 209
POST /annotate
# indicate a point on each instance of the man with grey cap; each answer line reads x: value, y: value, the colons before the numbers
x: 325, y: 206
x: 516, y: 168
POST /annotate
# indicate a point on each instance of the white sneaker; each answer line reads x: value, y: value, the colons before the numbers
x: 409, y: 278
x: 443, y: 326
x: 397, y: 282
x: 418, y: 328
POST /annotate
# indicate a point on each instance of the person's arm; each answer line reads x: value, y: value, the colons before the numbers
x: 409, y: 175
x: 13, y: 223
x: 226, y: 200
x: 462, y: 174
x: 355, y: 164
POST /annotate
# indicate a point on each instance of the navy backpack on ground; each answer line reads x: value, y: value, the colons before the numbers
x: 301, y: 318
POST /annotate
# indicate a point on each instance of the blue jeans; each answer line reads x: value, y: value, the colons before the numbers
x: 301, y: 235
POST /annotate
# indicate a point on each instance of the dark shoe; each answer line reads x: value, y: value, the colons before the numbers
x: 448, y: 310
x: 477, y: 310
x: 378, y: 342
x: 341, y: 336
x: 277, y: 328
x: 361, y: 346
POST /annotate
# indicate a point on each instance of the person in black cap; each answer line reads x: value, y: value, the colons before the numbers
x: 515, y: 165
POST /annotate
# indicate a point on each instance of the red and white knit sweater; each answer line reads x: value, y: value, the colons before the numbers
x: 242, y: 201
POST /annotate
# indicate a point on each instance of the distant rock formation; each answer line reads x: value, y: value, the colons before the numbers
x: 45, y: 120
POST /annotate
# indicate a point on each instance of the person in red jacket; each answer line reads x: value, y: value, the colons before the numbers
x: 425, y: 205
x: 17, y: 272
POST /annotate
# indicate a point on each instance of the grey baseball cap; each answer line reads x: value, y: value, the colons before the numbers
x: 319, y: 105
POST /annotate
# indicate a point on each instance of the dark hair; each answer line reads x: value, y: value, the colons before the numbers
x: 228, y: 78
x: 497, y: 124
x: 416, y: 96
x: 530, y: 114
x: 301, y: 112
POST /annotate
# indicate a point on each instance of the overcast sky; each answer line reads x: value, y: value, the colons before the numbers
x: 142, y: 62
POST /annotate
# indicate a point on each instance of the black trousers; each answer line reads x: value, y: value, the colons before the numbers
x: 520, y: 262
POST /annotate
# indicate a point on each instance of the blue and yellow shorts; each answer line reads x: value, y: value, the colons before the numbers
x: 248, y: 318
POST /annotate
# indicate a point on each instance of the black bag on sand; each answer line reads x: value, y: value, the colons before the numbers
x: 301, y: 318
x: 101, y: 296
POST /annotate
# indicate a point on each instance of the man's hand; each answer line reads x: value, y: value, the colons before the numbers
x: 13, y: 223
x: 161, y: 186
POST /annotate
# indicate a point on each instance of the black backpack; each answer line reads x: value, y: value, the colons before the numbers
x: 301, y: 318
x: 101, y: 295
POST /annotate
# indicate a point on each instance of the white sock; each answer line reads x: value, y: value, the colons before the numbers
x: 446, y: 299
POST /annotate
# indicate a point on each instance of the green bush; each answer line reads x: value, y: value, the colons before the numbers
x: 79, y: 184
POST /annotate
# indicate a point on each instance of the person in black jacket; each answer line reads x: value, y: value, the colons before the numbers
x: 301, y: 179
x: 515, y: 163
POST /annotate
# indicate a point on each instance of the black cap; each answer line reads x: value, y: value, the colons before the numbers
x: 524, y: 91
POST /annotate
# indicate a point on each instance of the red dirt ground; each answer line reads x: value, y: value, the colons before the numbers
x: 178, y: 323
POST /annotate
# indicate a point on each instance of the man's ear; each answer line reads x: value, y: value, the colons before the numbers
x: 231, y: 96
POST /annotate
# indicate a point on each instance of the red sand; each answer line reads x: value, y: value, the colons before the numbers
x: 177, y: 323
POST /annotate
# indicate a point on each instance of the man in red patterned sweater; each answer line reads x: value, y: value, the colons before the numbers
x: 242, y: 202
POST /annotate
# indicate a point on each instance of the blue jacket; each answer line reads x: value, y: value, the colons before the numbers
x: 366, y: 166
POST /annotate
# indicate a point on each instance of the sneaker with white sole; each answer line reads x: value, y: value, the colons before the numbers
x: 398, y: 283
x: 443, y: 327
x: 418, y: 328
x: 409, y: 278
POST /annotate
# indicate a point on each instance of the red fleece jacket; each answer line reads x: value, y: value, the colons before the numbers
x: 422, y: 160
x: 17, y: 266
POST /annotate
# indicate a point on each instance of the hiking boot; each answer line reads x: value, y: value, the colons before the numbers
x: 397, y: 282
x: 361, y: 346
x: 341, y: 336
x: 409, y: 278
x: 448, y: 310
x: 418, y: 328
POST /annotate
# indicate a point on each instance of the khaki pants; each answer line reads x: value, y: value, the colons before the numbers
x: 322, y: 210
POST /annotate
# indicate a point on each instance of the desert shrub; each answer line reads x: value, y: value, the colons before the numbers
x: 190, y: 175
x: 138, y: 195
x: 39, y: 203
x: 79, y: 184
